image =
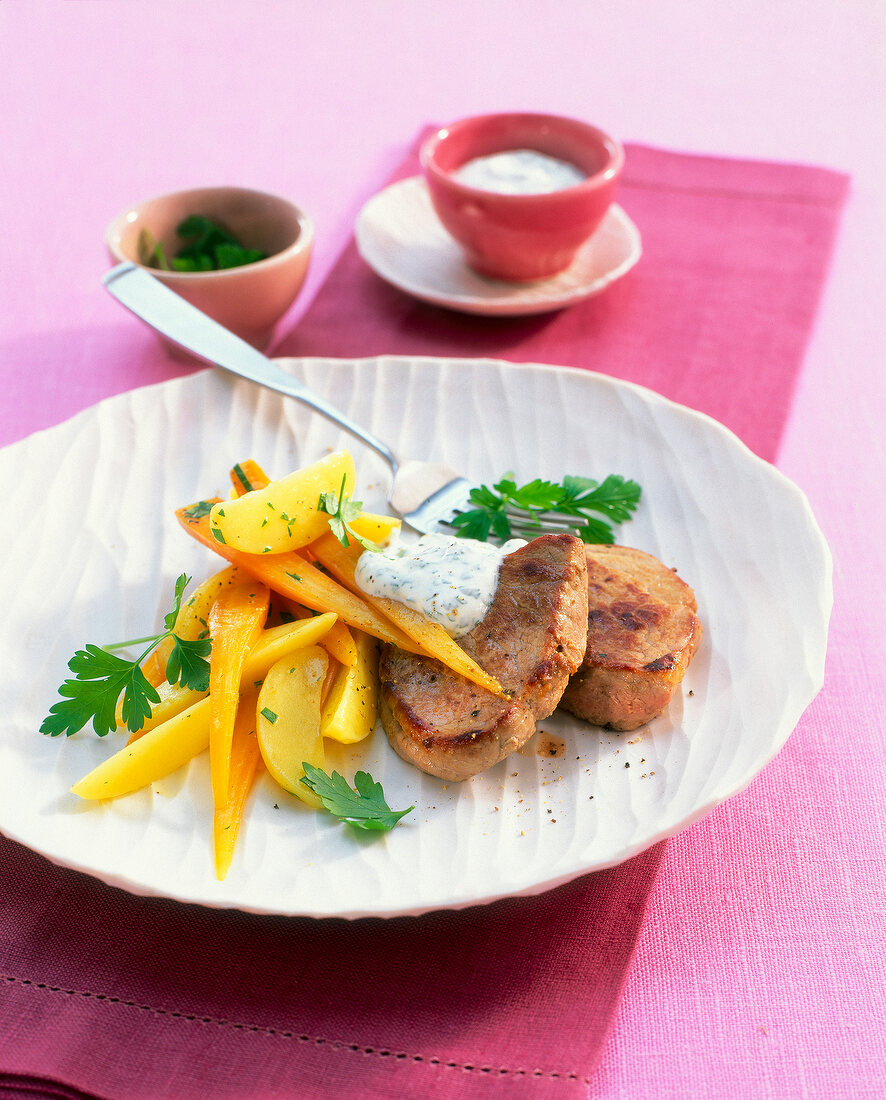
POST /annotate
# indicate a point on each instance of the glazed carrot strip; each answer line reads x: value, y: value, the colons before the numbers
x: 248, y: 476
x: 292, y: 575
x: 190, y: 623
x: 245, y: 763
x: 235, y: 622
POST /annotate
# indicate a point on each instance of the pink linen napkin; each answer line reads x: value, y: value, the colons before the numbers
x: 111, y: 995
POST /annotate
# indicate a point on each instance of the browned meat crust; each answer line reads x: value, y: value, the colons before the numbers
x: 642, y: 633
x: 532, y: 639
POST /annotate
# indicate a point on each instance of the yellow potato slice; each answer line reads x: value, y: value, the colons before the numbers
x: 288, y: 719
x: 376, y: 528
x: 161, y: 751
x: 283, y: 515
x: 351, y: 708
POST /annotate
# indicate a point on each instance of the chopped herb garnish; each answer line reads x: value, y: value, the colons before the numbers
x: 151, y: 252
x: 241, y: 476
x: 199, y: 510
x: 269, y: 714
x: 342, y: 511
x: 207, y: 246
x: 100, y: 677
x: 363, y: 807
x: 615, y: 498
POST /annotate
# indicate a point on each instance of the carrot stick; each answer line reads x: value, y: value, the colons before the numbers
x: 245, y: 763
x: 248, y: 476
x: 190, y: 623
x: 292, y: 575
x: 235, y: 622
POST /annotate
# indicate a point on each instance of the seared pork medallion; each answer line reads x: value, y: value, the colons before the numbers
x: 532, y: 639
x: 642, y: 633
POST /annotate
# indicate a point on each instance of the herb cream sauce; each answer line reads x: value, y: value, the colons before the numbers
x: 451, y: 580
x: 519, y: 172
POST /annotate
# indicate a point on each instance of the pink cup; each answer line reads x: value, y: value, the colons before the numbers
x: 521, y: 237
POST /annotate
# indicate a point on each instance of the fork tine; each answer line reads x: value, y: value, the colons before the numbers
x: 530, y: 524
x: 547, y: 527
x: 524, y: 515
x: 441, y: 507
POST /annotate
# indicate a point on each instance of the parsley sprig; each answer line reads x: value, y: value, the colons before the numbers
x: 362, y: 806
x: 100, y: 677
x: 494, y: 509
x: 342, y: 511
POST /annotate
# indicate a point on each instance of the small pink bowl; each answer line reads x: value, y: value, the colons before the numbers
x: 521, y: 237
x: 248, y: 300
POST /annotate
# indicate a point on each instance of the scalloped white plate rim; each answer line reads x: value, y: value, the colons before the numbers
x: 488, y: 297
x: 815, y: 647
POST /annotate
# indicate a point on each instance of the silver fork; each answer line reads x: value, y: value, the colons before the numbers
x: 423, y: 494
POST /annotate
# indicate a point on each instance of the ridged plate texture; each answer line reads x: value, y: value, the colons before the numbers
x: 92, y: 550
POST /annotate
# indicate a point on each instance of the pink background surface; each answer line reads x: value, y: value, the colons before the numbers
x: 759, y: 970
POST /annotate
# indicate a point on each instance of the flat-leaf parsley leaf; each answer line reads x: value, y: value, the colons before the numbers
x: 342, y: 511
x: 100, y: 677
x: 616, y: 499
x: 363, y: 807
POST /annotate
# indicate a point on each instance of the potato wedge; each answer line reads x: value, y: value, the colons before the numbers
x: 245, y: 763
x: 159, y: 753
x: 283, y: 515
x: 288, y: 720
x: 337, y: 642
x: 350, y: 711
x: 374, y: 527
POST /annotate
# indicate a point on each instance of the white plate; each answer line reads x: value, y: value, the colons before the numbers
x: 92, y: 550
x: 401, y: 238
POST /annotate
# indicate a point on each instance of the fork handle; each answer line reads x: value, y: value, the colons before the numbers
x: 198, y: 334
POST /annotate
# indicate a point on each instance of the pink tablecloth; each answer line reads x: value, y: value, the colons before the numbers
x: 452, y: 992
x: 758, y: 966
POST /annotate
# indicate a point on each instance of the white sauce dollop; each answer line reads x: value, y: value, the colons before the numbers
x: 451, y: 580
x: 519, y: 172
